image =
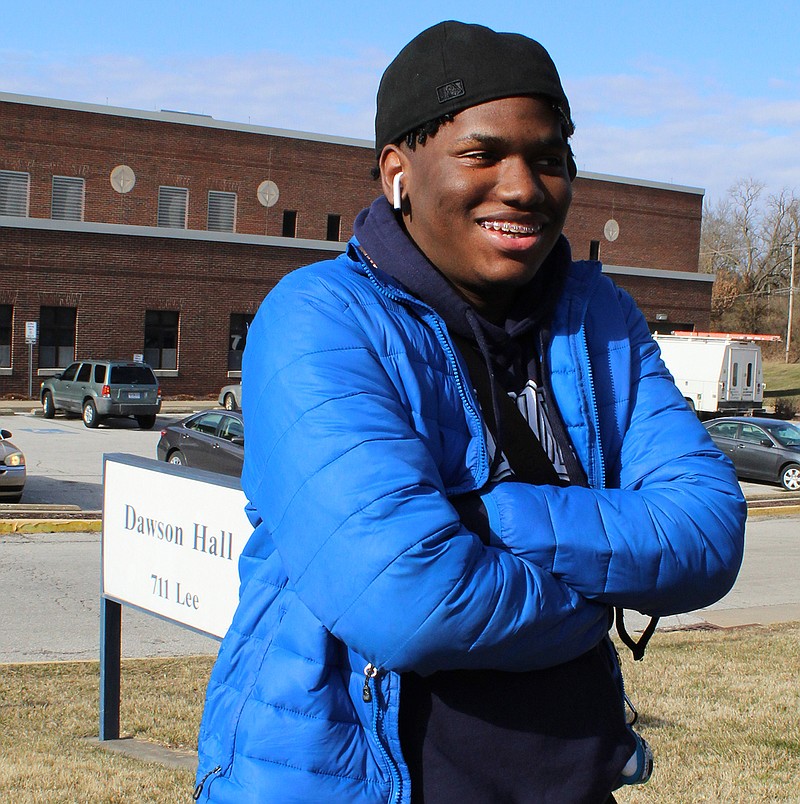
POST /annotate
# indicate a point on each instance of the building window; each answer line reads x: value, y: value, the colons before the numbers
x: 594, y: 250
x: 6, y: 314
x: 240, y: 324
x: 173, y: 207
x: 289, y: 223
x: 68, y: 197
x: 14, y: 193
x: 161, y: 339
x: 221, y: 211
x: 334, y: 227
x: 56, y: 336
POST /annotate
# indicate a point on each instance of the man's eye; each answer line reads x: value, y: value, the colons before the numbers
x: 481, y: 156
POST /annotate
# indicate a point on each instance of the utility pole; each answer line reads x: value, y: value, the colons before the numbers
x: 791, y: 302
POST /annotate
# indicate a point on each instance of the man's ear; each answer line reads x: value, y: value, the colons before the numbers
x: 391, y: 164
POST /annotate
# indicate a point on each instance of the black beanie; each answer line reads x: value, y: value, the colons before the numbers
x: 454, y: 65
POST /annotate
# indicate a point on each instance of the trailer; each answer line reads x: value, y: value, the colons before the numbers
x: 718, y: 373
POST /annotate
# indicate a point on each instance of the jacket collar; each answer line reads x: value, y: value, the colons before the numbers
x: 383, y: 239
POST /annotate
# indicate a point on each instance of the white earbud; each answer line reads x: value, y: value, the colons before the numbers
x: 397, y: 200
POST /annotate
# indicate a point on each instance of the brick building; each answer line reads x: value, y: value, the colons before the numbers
x: 126, y: 232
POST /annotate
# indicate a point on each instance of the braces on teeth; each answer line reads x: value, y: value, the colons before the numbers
x: 509, y: 228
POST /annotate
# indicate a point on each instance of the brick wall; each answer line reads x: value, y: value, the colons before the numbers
x: 658, y: 228
x: 314, y: 178
x: 687, y: 305
x: 114, y: 278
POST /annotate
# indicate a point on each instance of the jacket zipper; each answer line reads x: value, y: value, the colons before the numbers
x: 369, y: 696
x: 443, y: 340
x: 201, y: 784
x: 601, y: 480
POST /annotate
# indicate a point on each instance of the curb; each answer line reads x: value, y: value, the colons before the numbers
x: 777, y: 510
x: 31, y: 407
x: 8, y: 526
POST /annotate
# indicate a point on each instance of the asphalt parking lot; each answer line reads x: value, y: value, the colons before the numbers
x: 65, y: 467
x: 65, y: 459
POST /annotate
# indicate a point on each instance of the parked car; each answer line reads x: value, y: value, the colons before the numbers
x: 12, y: 470
x: 761, y: 449
x: 211, y: 439
x: 230, y: 397
x: 99, y: 388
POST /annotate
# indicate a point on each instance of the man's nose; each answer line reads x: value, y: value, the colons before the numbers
x: 519, y: 183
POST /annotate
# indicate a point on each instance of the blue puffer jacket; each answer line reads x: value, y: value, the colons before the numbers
x: 360, y: 425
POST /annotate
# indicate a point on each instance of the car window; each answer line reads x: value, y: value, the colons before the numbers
x: 231, y: 428
x: 786, y: 434
x: 205, y: 423
x: 132, y: 375
x: 84, y: 373
x: 70, y: 372
x: 724, y: 429
x: 752, y: 434
x: 100, y: 373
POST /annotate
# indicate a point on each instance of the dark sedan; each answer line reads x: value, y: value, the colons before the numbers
x: 761, y: 449
x: 212, y: 440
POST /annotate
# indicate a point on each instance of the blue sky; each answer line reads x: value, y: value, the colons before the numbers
x: 695, y: 92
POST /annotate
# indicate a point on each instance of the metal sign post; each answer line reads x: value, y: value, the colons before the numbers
x: 31, y: 336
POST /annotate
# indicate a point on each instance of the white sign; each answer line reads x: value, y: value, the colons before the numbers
x: 31, y: 331
x: 138, y: 358
x: 171, y: 541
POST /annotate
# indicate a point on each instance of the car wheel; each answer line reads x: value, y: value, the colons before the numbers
x: 90, y: 417
x: 790, y: 477
x: 15, y: 499
x: 146, y: 422
x: 177, y: 457
x: 48, y: 406
x: 230, y: 402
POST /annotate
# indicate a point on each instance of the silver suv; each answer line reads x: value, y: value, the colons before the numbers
x: 100, y: 388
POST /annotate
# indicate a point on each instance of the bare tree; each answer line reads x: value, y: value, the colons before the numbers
x: 746, y: 242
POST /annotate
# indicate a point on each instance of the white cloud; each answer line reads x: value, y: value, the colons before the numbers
x: 655, y: 124
x: 330, y: 95
x: 658, y: 126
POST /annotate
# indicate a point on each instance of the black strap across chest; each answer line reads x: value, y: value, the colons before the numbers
x: 519, y: 443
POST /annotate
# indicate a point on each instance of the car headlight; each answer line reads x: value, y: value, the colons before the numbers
x: 15, y: 459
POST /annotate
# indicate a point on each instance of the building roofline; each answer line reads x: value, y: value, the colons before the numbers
x: 656, y: 273
x: 182, y: 118
x: 90, y: 227
x: 658, y: 185
x: 206, y: 121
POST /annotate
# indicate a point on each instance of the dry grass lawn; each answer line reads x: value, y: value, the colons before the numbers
x: 720, y: 708
x: 48, y: 710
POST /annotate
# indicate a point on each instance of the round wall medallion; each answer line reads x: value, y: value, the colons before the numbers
x: 123, y: 179
x: 611, y: 230
x: 267, y: 193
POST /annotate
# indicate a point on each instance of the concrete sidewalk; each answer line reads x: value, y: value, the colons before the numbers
x: 11, y: 407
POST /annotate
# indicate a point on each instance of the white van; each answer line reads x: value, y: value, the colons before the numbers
x: 717, y: 373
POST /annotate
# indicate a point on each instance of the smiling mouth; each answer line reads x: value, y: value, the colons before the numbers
x: 511, y: 229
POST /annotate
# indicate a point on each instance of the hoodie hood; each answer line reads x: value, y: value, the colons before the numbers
x: 505, y: 348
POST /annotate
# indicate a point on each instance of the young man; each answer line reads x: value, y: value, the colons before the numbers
x: 426, y: 596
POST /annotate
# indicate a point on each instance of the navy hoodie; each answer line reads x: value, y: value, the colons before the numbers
x: 555, y: 736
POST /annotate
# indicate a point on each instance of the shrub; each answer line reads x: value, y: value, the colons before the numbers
x: 785, y: 407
